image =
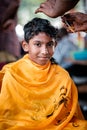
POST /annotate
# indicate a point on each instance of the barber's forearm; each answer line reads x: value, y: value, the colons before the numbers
x: 62, y: 6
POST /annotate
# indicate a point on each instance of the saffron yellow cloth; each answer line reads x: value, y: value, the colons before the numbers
x: 35, y: 97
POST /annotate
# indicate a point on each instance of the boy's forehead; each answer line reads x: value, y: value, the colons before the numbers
x: 42, y: 38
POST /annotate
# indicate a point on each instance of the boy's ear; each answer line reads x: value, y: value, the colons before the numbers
x: 25, y: 46
x: 55, y: 43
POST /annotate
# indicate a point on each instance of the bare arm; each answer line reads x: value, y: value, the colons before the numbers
x: 10, y: 13
x: 55, y: 8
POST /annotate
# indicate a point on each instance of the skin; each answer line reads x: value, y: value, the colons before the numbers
x: 77, y: 21
x: 7, y: 21
x: 40, y: 48
x: 55, y: 8
x: 13, y: 6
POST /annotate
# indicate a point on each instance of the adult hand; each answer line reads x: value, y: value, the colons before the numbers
x: 55, y: 8
x: 48, y: 8
x: 76, y: 20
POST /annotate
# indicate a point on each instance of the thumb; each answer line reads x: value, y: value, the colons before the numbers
x: 38, y: 10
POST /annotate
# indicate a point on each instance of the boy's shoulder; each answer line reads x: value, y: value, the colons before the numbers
x: 14, y: 65
x: 61, y: 70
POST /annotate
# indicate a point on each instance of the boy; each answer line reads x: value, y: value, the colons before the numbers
x: 36, y: 93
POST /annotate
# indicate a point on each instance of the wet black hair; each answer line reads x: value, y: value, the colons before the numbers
x: 37, y: 25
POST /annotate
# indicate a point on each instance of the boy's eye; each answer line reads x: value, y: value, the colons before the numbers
x: 38, y: 44
x: 50, y: 44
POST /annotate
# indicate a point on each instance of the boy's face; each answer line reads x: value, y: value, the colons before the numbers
x: 41, y: 48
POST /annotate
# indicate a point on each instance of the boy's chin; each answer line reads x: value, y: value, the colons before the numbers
x: 43, y: 62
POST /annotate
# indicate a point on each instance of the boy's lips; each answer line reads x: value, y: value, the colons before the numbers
x: 44, y: 57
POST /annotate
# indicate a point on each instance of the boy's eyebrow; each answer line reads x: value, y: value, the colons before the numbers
x: 42, y: 41
x: 51, y: 41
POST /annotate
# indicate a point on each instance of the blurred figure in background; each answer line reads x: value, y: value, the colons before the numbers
x: 64, y: 48
x: 64, y: 54
x: 9, y: 44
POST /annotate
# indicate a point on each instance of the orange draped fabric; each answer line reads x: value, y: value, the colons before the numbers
x: 35, y: 97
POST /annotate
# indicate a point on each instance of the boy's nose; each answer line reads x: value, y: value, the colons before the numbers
x: 44, y: 50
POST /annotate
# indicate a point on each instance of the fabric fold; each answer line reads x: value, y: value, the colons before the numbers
x: 35, y: 97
